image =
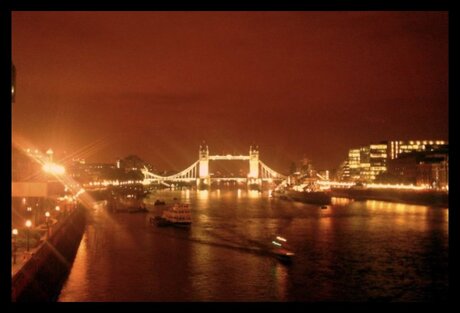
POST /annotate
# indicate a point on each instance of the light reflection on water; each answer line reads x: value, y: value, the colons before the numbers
x: 352, y: 251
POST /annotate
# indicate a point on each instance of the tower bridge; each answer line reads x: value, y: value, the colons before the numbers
x: 199, y: 171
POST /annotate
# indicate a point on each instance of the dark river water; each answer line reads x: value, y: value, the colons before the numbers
x: 351, y: 251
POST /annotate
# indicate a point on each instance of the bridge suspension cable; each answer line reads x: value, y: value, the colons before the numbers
x: 268, y: 172
x: 190, y: 173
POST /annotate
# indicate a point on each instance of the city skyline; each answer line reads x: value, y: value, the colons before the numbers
x: 156, y: 84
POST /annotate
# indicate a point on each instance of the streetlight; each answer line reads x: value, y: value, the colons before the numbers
x: 47, y: 215
x: 36, y: 212
x: 58, y: 211
x: 53, y: 168
x: 28, y: 224
x: 15, y: 233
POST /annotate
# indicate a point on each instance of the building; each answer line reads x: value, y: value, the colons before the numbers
x: 354, y: 159
x: 395, y: 148
x: 367, y: 163
x: 343, y: 172
x: 132, y: 163
x: 23, y: 167
x: 365, y: 172
x: 91, y: 172
x: 421, y: 168
x: 377, y: 160
x: 33, y: 189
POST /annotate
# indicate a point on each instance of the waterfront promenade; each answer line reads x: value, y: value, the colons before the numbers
x: 50, y: 258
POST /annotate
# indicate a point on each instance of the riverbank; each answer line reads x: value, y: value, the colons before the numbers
x: 40, y: 274
x: 421, y: 197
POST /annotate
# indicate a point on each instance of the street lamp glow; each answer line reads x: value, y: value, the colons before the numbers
x: 53, y: 168
x: 28, y: 224
x: 57, y: 208
x: 15, y: 233
x: 47, y: 214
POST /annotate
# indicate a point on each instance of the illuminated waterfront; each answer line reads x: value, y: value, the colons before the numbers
x: 352, y: 251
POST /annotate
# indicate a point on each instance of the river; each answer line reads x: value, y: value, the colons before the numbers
x: 351, y: 251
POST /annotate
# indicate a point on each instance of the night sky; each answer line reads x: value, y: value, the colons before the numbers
x: 103, y: 85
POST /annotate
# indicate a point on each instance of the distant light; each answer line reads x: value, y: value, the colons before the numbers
x: 15, y: 232
x: 47, y: 214
x: 80, y: 192
x: 28, y: 223
x: 281, y: 238
x: 276, y: 243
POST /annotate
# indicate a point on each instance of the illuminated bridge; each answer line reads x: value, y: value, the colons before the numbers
x: 199, y: 171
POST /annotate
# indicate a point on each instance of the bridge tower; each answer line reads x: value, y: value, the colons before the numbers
x: 253, y: 176
x: 253, y: 162
x: 203, y: 157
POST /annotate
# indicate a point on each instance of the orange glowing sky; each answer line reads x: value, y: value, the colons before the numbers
x: 156, y: 84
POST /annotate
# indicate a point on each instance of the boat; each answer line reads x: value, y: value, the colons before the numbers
x: 308, y: 196
x: 179, y: 214
x: 279, y: 193
x: 281, y: 251
x: 309, y: 192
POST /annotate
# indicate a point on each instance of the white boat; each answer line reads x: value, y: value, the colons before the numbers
x: 179, y: 214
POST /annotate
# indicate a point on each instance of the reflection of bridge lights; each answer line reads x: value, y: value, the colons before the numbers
x: 203, y: 194
x: 185, y: 194
x: 253, y: 194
